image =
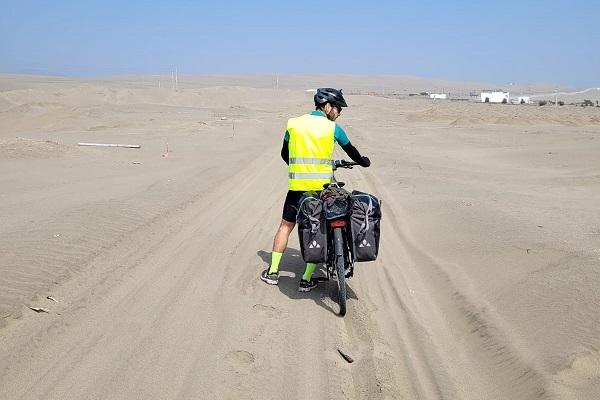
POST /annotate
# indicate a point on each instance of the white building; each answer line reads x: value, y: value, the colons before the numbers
x: 438, y: 96
x: 523, y: 100
x: 495, y: 96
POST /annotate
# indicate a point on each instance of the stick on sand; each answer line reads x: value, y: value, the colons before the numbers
x: 129, y: 146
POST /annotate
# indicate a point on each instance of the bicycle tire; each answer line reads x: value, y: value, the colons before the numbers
x: 340, y: 270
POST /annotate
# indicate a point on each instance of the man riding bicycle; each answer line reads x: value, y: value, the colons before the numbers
x: 308, y: 149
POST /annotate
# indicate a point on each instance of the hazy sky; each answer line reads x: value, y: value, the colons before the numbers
x: 493, y: 41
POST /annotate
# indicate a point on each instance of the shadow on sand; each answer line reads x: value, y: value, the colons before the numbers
x: 292, y: 261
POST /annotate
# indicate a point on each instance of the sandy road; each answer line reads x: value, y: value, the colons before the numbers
x: 175, y: 310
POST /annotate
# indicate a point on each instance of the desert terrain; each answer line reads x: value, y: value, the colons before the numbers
x: 143, y: 263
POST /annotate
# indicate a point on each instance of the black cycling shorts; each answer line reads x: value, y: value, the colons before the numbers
x: 290, y: 206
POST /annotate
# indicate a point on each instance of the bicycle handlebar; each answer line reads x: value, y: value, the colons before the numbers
x: 343, y: 164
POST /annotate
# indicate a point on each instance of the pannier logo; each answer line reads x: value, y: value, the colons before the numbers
x: 364, y: 243
x: 314, y: 245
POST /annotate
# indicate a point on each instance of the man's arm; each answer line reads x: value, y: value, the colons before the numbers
x: 353, y: 153
x: 285, y: 152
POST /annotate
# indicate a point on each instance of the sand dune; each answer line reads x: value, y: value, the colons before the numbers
x: 486, y: 286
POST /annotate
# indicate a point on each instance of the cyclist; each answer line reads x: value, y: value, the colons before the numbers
x: 308, y: 149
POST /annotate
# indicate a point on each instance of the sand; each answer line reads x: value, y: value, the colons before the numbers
x: 486, y: 287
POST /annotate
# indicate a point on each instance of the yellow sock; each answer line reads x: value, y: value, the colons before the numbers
x: 308, y: 273
x: 275, y: 259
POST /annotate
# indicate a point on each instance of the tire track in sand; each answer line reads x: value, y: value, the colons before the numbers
x: 146, y: 336
x: 452, y: 340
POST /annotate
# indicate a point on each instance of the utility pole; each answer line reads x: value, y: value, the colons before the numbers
x: 176, y: 80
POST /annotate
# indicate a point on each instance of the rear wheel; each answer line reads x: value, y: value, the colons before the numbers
x: 339, y: 269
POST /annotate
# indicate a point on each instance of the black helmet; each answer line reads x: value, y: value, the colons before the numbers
x: 330, y: 95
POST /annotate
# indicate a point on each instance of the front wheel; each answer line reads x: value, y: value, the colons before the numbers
x: 339, y: 269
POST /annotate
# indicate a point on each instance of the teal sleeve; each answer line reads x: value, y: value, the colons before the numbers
x: 340, y: 136
x: 286, y: 137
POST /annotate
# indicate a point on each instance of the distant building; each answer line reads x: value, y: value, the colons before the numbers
x: 438, y: 96
x: 495, y: 96
x: 523, y: 100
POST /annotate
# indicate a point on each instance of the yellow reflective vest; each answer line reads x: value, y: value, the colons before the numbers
x: 311, y: 142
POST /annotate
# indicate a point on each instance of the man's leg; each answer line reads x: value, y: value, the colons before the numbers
x: 280, y: 243
x: 307, y: 283
x: 309, y: 271
x: 288, y: 222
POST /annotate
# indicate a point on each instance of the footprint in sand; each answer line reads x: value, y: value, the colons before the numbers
x: 241, y: 361
x: 270, y: 311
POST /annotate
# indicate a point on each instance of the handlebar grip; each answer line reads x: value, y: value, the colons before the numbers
x: 343, y: 164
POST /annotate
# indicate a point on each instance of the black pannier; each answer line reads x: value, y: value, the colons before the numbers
x: 365, y: 224
x: 312, y: 229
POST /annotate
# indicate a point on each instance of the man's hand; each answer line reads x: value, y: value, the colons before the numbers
x: 365, y: 162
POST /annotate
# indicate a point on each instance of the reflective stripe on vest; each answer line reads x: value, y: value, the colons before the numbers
x: 310, y: 175
x: 311, y: 142
x: 307, y: 160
